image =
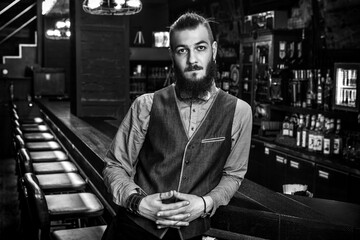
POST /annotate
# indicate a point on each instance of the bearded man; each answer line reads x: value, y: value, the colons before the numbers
x: 182, y: 151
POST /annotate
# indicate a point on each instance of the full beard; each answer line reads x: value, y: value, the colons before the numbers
x: 195, y: 88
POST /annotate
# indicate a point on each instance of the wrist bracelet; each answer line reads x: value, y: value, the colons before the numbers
x: 205, y: 214
x: 133, y: 202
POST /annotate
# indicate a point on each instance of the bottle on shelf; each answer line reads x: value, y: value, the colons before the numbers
x: 299, y: 131
x: 291, y: 126
x: 319, y: 92
x: 285, y: 126
x: 305, y: 132
x: 327, y: 149
x: 225, y: 81
x: 311, y: 134
x: 318, y: 134
x: 337, y: 143
x: 310, y: 94
x: 328, y: 91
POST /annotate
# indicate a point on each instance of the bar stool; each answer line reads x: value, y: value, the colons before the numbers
x: 34, y: 136
x: 31, y: 127
x: 88, y: 233
x: 53, y: 177
x: 36, y: 146
x: 44, y: 210
x: 26, y: 165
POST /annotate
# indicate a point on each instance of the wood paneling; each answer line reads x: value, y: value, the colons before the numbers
x: 100, y: 49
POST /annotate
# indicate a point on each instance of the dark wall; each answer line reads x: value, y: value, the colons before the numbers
x: 57, y: 52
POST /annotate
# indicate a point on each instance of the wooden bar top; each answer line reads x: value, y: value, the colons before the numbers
x: 254, y: 210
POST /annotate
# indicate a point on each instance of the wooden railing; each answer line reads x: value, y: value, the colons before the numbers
x: 7, y: 24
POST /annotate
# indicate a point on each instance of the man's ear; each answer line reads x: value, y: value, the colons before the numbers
x: 214, y: 47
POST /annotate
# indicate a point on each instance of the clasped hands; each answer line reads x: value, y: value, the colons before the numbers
x: 176, y: 214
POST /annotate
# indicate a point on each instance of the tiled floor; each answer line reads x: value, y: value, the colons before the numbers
x: 9, y: 204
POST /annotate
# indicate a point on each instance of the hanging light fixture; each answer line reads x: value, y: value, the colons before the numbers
x: 112, y: 7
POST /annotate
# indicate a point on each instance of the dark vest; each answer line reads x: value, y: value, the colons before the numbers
x: 169, y: 160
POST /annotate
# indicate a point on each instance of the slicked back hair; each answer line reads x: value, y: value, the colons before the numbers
x: 190, y: 20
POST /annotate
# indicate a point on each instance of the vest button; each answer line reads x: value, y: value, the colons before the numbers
x: 187, y: 161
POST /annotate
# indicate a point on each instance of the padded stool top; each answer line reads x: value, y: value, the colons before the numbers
x: 87, y: 233
x: 54, y: 167
x: 35, y: 120
x: 42, y: 146
x: 38, y: 136
x: 48, y: 156
x: 74, y: 205
x: 34, y: 128
x: 61, y: 182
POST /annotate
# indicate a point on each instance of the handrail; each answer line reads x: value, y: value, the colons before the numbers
x: 18, y: 29
x: 17, y: 16
x: 9, y: 6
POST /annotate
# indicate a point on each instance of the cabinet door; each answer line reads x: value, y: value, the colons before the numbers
x: 300, y: 171
x: 257, y: 164
x: 354, y: 194
x: 331, y: 183
x: 277, y: 164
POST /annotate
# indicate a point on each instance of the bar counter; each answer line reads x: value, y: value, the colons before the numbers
x: 255, y: 211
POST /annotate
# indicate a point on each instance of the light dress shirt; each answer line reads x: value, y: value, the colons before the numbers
x: 121, y: 157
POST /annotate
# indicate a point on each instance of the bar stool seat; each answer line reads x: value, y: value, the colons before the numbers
x: 53, y: 167
x: 35, y: 146
x: 42, y: 146
x: 48, y: 156
x: 61, y: 182
x: 34, y: 128
x: 38, y: 137
x: 82, y: 204
x: 88, y: 233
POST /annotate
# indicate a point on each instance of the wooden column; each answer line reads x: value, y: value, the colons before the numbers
x: 100, y: 63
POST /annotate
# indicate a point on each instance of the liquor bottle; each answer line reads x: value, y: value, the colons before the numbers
x: 225, y: 81
x: 318, y: 136
x: 285, y: 128
x: 299, y: 131
x: 310, y: 94
x: 305, y: 132
x: 337, y: 143
x: 291, y: 126
x: 327, y: 150
x: 311, y: 136
x: 319, y: 93
x: 327, y: 91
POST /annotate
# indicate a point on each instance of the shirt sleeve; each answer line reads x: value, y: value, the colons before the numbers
x: 237, y: 162
x: 121, y: 158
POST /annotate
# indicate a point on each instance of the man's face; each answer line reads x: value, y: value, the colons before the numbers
x: 192, y: 52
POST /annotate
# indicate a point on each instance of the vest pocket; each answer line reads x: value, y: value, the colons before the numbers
x: 211, y: 140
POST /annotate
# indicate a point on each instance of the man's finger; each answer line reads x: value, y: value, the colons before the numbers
x: 171, y: 223
x: 166, y: 195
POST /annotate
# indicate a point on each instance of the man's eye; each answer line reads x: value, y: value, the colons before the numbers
x: 201, y: 48
x: 181, y: 51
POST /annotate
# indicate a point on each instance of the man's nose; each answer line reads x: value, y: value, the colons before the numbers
x: 192, y: 57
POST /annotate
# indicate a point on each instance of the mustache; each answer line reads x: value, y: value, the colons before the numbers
x: 192, y: 68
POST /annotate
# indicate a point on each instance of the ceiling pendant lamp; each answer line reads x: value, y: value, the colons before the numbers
x: 112, y: 7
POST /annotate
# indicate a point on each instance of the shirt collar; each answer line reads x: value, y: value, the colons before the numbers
x: 205, y: 97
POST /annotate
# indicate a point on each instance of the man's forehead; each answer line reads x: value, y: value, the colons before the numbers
x: 191, y: 36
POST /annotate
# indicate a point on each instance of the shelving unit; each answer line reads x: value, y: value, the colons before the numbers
x: 149, y: 68
x: 259, y: 54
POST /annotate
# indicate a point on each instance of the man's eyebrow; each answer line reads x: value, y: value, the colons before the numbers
x: 198, y: 43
